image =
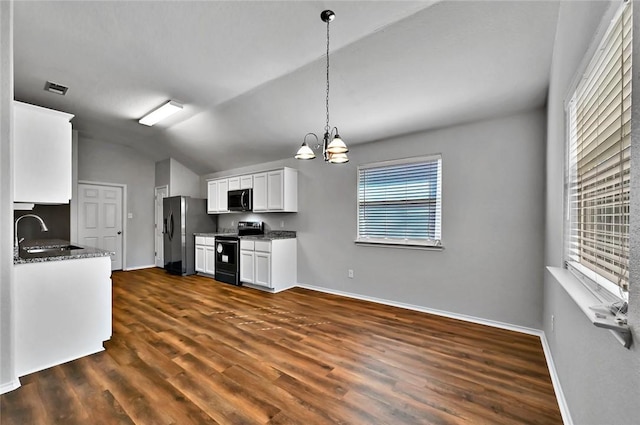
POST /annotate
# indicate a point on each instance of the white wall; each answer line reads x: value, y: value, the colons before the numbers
x: 493, y: 212
x: 8, y: 378
x: 113, y: 163
x: 599, y: 377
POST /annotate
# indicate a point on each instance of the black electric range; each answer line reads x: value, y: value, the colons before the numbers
x: 228, y: 251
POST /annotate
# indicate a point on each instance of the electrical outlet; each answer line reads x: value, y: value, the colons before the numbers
x: 553, y: 323
x: 350, y: 274
x: 282, y: 224
x: 233, y: 223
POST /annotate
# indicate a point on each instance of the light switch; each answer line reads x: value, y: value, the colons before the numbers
x: 130, y: 215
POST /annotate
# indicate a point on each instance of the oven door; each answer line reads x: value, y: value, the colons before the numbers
x: 227, y: 261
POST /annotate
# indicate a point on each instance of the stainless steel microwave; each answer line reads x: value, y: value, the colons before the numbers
x: 240, y: 200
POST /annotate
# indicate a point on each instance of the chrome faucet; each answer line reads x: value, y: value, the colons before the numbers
x: 42, y: 226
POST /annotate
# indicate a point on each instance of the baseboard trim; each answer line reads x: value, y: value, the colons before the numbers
x: 555, y: 380
x: 129, y: 269
x: 9, y: 386
x: 464, y: 317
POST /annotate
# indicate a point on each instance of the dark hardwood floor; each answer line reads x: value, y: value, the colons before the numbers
x: 190, y: 350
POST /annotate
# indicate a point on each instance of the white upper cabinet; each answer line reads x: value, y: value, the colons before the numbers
x: 42, y: 155
x: 273, y: 191
x: 276, y: 191
x: 212, y: 196
x: 260, y: 192
x: 223, y: 200
x: 217, y: 196
x: 234, y: 183
x: 246, y: 182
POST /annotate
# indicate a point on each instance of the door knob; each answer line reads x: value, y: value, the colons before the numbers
x: 119, y: 232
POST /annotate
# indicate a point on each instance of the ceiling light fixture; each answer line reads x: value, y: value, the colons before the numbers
x: 160, y: 113
x: 334, y: 150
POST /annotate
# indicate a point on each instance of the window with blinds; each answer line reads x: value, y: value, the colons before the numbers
x: 599, y: 115
x: 399, y: 202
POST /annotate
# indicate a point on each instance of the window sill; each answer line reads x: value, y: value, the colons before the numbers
x: 399, y: 245
x: 591, y: 306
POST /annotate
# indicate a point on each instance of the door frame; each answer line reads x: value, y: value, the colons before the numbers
x: 75, y: 212
x: 155, y: 215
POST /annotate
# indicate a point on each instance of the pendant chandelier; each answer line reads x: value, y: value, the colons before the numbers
x: 334, y: 150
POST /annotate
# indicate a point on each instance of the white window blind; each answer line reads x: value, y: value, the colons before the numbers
x: 399, y: 202
x: 599, y: 161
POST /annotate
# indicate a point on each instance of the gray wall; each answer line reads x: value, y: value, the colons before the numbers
x: 183, y: 182
x: 163, y: 172
x: 493, y: 211
x: 112, y: 163
x: 7, y: 373
x: 180, y: 179
x: 600, y: 378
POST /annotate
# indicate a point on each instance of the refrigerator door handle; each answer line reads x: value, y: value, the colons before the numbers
x: 171, y: 225
x: 164, y: 226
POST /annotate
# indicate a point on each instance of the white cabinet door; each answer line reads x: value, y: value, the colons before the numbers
x: 275, y: 190
x: 262, y: 268
x: 223, y: 188
x: 246, y: 182
x: 42, y: 155
x: 246, y: 266
x: 210, y: 260
x: 217, y: 196
x: 260, y: 192
x: 212, y: 196
x: 200, y: 258
x: 234, y: 183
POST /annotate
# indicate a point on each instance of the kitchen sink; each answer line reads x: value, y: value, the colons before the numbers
x: 38, y: 250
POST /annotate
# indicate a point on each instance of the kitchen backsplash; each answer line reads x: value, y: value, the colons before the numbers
x: 56, y: 217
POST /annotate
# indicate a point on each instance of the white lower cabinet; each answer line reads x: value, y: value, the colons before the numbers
x: 199, y: 257
x: 210, y: 258
x: 269, y: 264
x: 263, y: 269
x: 246, y: 263
x: 62, y: 311
x: 206, y: 255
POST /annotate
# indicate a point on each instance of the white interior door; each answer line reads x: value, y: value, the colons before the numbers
x: 100, y: 219
x: 161, y: 193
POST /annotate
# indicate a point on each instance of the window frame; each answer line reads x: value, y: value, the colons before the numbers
x: 601, y: 287
x: 427, y: 244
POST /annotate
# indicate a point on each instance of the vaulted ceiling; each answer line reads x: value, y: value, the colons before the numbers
x: 251, y: 74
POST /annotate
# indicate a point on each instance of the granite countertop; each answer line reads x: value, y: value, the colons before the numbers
x: 211, y: 234
x: 274, y: 234
x: 66, y: 251
x: 271, y: 235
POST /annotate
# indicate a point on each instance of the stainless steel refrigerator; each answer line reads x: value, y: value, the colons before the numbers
x: 182, y: 217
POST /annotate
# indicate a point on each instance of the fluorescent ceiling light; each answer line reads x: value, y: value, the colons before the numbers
x: 160, y: 113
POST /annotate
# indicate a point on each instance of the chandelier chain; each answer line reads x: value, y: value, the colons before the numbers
x: 326, y: 127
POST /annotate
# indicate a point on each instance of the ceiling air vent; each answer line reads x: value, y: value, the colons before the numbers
x: 56, y: 88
